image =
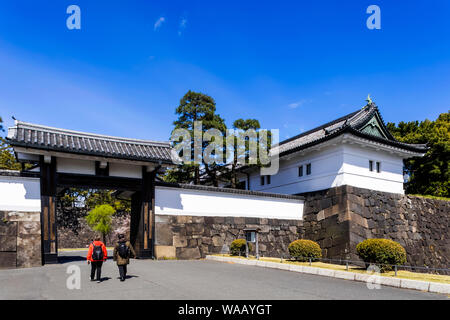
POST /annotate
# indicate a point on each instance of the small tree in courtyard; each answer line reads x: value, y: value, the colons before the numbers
x: 100, y: 219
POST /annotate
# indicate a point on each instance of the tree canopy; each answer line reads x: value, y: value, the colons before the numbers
x: 195, y: 106
x: 429, y: 175
x: 7, y: 159
x: 100, y: 219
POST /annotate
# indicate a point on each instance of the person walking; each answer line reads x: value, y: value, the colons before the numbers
x: 97, y: 253
x: 123, y: 251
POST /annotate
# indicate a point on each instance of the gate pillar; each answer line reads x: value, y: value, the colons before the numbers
x: 142, y: 226
x: 48, y: 210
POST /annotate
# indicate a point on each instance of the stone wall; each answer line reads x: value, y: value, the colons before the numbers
x: 420, y: 225
x: 326, y: 221
x: 20, y: 239
x: 339, y: 218
x: 192, y: 237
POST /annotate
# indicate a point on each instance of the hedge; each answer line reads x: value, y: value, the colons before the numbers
x: 382, y: 252
x: 305, y: 249
x: 237, y: 247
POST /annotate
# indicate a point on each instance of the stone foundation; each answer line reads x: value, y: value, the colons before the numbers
x: 339, y: 218
x: 20, y: 239
x: 193, y: 237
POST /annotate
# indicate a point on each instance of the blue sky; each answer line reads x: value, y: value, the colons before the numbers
x: 292, y: 65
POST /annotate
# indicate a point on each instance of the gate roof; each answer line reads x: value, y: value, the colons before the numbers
x: 45, y: 138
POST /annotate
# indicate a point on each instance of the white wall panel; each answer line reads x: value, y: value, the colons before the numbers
x: 336, y: 166
x: 67, y: 165
x: 178, y: 201
x: 20, y: 194
x: 125, y: 170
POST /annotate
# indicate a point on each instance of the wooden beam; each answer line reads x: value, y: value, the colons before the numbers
x: 98, y: 182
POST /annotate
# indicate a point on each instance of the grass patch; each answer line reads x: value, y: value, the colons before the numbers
x: 400, y: 273
x: 429, y: 197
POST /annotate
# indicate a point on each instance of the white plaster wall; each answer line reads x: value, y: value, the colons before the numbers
x: 67, y: 165
x: 336, y: 166
x: 20, y: 194
x: 356, y: 169
x: 326, y: 166
x: 125, y: 170
x: 177, y: 201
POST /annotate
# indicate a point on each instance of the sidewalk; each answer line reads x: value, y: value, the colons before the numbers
x: 426, y: 286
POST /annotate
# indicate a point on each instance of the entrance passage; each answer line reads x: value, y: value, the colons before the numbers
x: 64, y: 159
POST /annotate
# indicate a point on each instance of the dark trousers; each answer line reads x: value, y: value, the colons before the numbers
x: 96, y: 265
x: 123, y: 271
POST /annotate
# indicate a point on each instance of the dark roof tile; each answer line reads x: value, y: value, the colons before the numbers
x: 53, y: 139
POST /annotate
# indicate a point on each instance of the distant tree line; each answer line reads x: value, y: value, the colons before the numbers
x: 429, y: 175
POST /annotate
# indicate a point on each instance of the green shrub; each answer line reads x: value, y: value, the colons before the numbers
x: 237, y: 247
x: 380, y: 252
x: 304, y: 249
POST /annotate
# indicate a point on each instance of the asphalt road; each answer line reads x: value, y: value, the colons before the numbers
x: 192, y: 280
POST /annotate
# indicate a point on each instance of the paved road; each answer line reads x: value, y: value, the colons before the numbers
x: 187, y: 280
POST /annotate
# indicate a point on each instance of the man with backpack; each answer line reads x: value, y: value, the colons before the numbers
x: 123, y: 251
x: 96, y: 255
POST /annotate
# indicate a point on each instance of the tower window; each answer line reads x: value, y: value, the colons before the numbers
x: 300, y: 171
x: 370, y: 165
x: 268, y: 179
x: 262, y: 180
x: 308, y: 169
x: 378, y: 167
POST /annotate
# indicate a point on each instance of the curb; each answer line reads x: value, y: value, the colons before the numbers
x: 433, y: 287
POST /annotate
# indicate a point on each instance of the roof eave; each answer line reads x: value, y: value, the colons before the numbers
x: 14, y: 143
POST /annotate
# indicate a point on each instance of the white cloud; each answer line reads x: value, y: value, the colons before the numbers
x: 158, y: 23
x: 182, y: 26
x: 298, y: 103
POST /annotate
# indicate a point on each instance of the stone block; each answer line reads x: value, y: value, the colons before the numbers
x: 344, y: 275
x: 23, y: 216
x: 325, y: 203
x: 29, y: 227
x: 162, y: 218
x: 29, y: 250
x: 296, y: 268
x: 283, y: 266
x: 309, y: 270
x: 184, y: 219
x: 179, y: 241
x: 8, y: 228
x: 217, y: 241
x: 251, y: 220
x: 239, y: 220
x: 364, y: 277
x: 198, y: 219
x: 414, y: 284
x: 388, y: 281
x: 325, y: 272
x: 162, y: 252
x: 164, y: 234
x: 8, y: 243
x: 219, y: 220
x: 439, y: 287
x: 188, y: 253
x: 7, y: 260
x: 273, y: 265
x: 194, y: 228
x: 321, y: 215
